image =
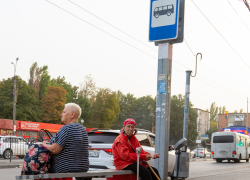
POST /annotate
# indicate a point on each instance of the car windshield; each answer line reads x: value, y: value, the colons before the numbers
x: 102, y: 137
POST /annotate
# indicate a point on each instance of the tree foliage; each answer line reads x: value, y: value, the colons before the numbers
x: 141, y: 109
x: 127, y: 105
x: 53, y: 104
x: 44, y: 82
x: 176, y: 121
x: 27, y: 105
x: 105, y: 108
x: 35, y: 77
x: 88, y: 88
x: 86, y: 109
x: 72, y: 91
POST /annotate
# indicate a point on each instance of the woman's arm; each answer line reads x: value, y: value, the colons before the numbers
x: 54, y: 148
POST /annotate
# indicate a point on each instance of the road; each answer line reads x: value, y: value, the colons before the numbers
x: 205, y: 170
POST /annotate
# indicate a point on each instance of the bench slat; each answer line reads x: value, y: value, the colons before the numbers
x: 93, y: 174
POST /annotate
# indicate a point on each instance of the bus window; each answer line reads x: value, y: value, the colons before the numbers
x: 223, y: 139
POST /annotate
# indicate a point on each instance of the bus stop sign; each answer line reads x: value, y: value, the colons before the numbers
x: 163, y: 24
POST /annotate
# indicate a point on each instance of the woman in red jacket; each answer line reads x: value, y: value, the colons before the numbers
x: 124, y: 152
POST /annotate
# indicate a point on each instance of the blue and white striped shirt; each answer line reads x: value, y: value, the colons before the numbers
x: 73, y: 157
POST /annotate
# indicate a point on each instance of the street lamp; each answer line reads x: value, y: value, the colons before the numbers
x: 14, y: 98
x: 82, y: 121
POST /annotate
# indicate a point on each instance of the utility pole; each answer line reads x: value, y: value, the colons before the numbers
x: 162, y: 127
x: 247, y: 118
x: 14, y: 98
x: 187, y: 92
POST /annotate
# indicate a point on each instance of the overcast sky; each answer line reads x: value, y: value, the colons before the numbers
x: 77, y: 43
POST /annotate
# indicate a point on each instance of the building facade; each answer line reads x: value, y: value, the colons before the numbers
x: 29, y: 130
x: 235, y: 122
x: 203, y: 122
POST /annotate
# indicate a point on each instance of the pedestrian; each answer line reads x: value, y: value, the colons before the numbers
x: 125, y: 156
x: 70, y: 145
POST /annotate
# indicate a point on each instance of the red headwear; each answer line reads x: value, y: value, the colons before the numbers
x: 129, y: 121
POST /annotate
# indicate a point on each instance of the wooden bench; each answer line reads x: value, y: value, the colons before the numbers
x: 108, y: 173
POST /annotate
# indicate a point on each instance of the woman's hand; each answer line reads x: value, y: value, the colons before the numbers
x: 44, y: 143
x: 155, y: 156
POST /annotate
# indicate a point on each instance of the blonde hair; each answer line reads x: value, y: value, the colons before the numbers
x: 75, y: 108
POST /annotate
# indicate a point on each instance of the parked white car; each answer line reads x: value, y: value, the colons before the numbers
x: 12, y: 145
x: 100, y: 148
x: 201, y: 152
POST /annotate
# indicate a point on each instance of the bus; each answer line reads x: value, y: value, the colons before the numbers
x: 230, y: 146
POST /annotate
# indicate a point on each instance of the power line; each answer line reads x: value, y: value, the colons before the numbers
x: 238, y: 14
x: 214, y: 86
x: 111, y: 25
x: 221, y: 34
x: 188, y: 46
x: 131, y: 36
x: 99, y: 29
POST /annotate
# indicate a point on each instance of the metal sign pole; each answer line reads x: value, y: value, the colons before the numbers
x: 163, y: 108
x: 186, y: 109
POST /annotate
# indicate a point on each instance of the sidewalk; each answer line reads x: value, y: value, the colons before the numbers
x: 201, y: 159
x: 6, y: 164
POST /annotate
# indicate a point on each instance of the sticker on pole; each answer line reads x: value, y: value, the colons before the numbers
x: 162, y: 87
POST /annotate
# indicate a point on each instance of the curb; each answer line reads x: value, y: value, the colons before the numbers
x: 10, y: 166
x: 201, y: 159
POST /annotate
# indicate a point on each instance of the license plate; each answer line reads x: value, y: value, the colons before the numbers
x: 223, y: 152
x: 94, y: 154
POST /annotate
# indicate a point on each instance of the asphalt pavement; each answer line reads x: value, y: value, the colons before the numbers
x: 14, y: 163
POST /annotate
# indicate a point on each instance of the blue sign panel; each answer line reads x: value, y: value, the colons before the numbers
x: 163, y: 24
x: 162, y: 87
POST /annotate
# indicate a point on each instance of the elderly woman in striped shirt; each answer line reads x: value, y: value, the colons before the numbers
x: 70, y: 145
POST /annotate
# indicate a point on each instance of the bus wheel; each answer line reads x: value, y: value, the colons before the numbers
x: 247, y: 160
x: 228, y: 160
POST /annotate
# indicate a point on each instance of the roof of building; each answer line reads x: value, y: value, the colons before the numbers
x: 201, y: 110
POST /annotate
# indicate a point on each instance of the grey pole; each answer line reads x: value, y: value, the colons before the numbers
x: 14, y: 97
x: 163, y: 108
x: 138, y: 151
x: 247, y: 117
x: 186, y: 109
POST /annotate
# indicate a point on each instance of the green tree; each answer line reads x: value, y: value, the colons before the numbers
x: 44, y: 82
x: 85, y: 105
x: 144, y: 113
x: 141, y: 109
x: 53, y: 104
x: 88, y: 88
x: 176, y: 121
x: 213, y: 112
x: 128, y: 106
x: 222, y: 110
x: 72, y: 91
x: 35, y: 77
x: 105, y: 108
x: 27, y: 105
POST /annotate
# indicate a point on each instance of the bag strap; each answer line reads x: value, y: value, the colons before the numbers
x: 47, y: 132
x: 131, y: 146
